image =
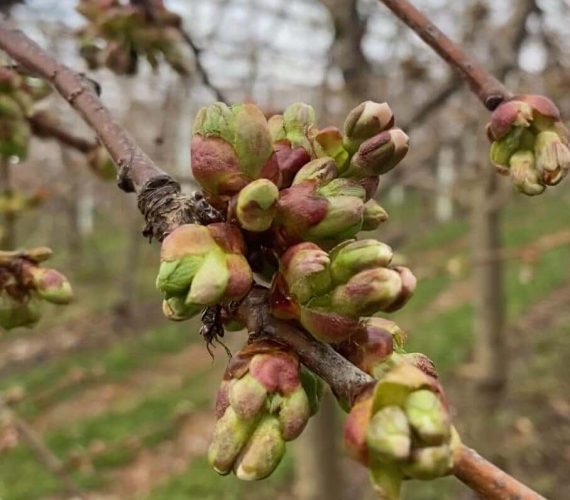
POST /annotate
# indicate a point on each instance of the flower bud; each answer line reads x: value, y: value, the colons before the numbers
x: 427, y: 417
x: 379, y: 154
x: 51, y: 285
x: 367, y: 119
x: 320, y: 171
x: 176, y: 309
x: 230, y: 436
x: 372, y: 290
x: 294, y: 414
x: 388, y: 434
x: 256, y: 205
x: 342, y: 220
x: 263, y: 452
x: 348, y: 259
x: 298, y: 119
x: 247, y: 396
x: 305, y: 268
x: 16, y: 313
x: 552, y: 157
x: 429, y: 463
x: 373, y: 216
x: 329, y: 143
x: 524, y: 174
x: 343, y: 187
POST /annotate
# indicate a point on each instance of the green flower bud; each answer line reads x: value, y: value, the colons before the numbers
x: 262, y: 453
x: 313, y: 387
x: 524, y: 174
x: 503, y: 149
x: 174, y: 277
x: 294, y: 413
x: 230, y: 436
x: 429, y: 463
x: 428, y: 417
x: 330, y: 143
x: 277, y: 128
x: 306, y: 271
x: 256, y: 205
x: 367, y: 119
x: 247, y: 396
x: 388, y: 435
x: 373, y: 216
x: 343, y: 219
x: 51, y: 285
x: 342, y: 187
x: 321, y: 170
x: 298, y: 119
x: 176, y: 309
x: 15, y: 313
x: 348, y: 259
x: 211, y: 280
x: 552, y: 157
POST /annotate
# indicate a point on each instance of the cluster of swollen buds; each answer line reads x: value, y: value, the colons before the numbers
x: 18, y: 95
x: 265, y: 400
x: 529, y: 143
x: 401, y: 427
x: 117, y: 34
x: 24, y: 284
x: 290, y: 179
x: 332, y: 294
x: 202, y: 266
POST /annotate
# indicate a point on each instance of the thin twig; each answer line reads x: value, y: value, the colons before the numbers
x: 43, y: 125
x: 488, y: 89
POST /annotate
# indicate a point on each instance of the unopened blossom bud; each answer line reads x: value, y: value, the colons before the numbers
x: 343, y: 187
x: 201, y: 266
x: 230, y: 147
x: 373, y: 290
x: 429, y: 463
x: 552, y: 157
x: 343, y: 219
x: 256, y: 205
x: 247, y: 396
x: 379, y: 154
x: 524, y: 173
x: 51, y: 285
x: 348, y: 259
x: 367, y: 119
x: 373, y: 216
x: 530, y: 142
x: 388, y: 434
x: 305, y: 268
x: 298, y: 119
x: 230, y: 436
x: 427, y: 417
x: 320, y: 171
x: 329, y: 142
x: 16, y: 313
x: 295, y: 410
x: 263, y: 452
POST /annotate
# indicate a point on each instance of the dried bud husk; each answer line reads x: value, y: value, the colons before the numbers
x: 256, y: 205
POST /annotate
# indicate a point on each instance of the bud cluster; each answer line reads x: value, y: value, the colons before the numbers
x: 529, y: 143
x: 332, y: 294
x: 286, y: 176
x: 18, y: 95
x: 24, y: 284
x: 202, y: 266
x: 265, y: 400
x: 118, y: 34
x: 401, y: 428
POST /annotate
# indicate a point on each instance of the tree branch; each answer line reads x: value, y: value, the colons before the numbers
x: 43, y: 125
x: 488, y: 89
x: 165, y: 209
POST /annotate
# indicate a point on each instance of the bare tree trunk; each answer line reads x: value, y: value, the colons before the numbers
x: 317, y: 467
x: 8, y: 234
x: 491, y: 354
